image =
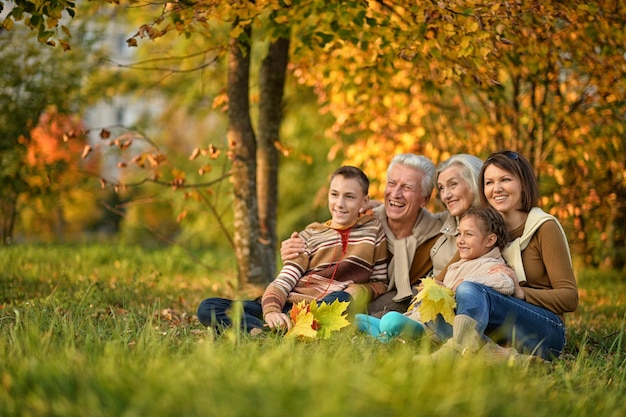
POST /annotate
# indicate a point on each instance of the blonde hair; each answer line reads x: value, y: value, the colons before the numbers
x: 470, y: 171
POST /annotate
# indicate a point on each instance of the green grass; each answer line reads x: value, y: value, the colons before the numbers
x: 111, y: 331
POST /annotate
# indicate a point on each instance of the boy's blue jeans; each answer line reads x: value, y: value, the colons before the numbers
x: 214, y: 312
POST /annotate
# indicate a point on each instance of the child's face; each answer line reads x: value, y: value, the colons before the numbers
x: 471, y: 241
x: 345, y: 199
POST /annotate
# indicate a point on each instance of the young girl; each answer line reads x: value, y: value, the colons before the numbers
x: 481, y: 237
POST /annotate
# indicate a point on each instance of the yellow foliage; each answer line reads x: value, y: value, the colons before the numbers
x: 330, y: 317
x: 313, y: 321
x: 434, y: 299
x: 304, y: 324
x: 471, y: 26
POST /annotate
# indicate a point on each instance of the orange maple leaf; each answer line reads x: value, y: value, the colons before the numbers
x: 304, y: 323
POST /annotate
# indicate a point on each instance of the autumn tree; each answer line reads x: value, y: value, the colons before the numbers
x: 550, y: 84
x: 435, y: 78
x: 333, y: 29
x: 253, y: 153
x: 318, y: 28
x: 58, y: 199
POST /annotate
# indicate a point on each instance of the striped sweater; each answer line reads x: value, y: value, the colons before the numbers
x: 333, y: 260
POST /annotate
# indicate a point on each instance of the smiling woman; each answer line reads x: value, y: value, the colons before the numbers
x: 457, y: 185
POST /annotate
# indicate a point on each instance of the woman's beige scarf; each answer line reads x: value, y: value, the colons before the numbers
x: 513, y: 252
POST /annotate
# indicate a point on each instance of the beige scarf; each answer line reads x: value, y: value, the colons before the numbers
x: 426, y: 226
x: 513, y: 252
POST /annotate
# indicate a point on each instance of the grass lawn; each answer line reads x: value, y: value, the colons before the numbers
x: 99, y: 330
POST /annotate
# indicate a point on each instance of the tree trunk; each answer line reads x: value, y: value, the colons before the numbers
x: 608, y: 252
x: 272, y: 85
x: 8, y: 203
x: 242, y: 145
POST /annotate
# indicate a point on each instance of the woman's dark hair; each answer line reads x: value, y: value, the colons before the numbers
x: 490, y: 221
x: 350, y: 172
x: 519, y: 167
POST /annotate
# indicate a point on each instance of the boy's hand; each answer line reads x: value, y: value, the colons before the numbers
x: 278, y: 321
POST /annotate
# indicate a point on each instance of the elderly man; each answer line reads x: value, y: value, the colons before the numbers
x: 411, y: 230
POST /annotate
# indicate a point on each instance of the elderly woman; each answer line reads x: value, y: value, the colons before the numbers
x: 456, y: 180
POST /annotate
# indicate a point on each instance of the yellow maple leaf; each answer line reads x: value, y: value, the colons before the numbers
x: 304, y: 322
x: 435, y: 299
x: 330, y: 317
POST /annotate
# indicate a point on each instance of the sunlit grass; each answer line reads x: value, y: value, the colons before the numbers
x: 111, y: 331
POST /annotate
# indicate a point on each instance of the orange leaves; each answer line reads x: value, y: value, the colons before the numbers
x: 149, y: 159
x: 317, y: 322
x: 181, y: 216
x: 212, y: 152
x: 86, y: 151
x: 304, y: 323
x: 194, y: 154
x: 51, y: 139
x: 285, y: 151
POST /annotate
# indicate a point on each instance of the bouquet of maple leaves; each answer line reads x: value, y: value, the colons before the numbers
x: 314, y: 321
x: 433, y: 299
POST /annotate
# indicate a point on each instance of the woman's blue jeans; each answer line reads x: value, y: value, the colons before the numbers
x: 216, y: 312
x: 508, y: 320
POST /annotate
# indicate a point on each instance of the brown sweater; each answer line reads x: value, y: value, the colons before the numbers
x: 551, y: 283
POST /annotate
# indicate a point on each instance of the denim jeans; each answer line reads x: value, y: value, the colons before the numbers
x: 215, y: 312
x: 506, y: 319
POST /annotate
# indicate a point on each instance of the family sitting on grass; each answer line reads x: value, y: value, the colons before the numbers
x: 517, y: 319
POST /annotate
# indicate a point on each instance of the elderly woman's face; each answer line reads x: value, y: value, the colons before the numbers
x: 455, y: 193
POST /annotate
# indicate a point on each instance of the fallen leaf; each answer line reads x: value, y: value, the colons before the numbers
x: 434, y: 299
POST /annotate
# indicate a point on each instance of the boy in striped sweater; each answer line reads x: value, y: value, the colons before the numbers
x: 345, y: 259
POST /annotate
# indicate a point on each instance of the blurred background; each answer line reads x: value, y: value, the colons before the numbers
x: 114, y: 123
